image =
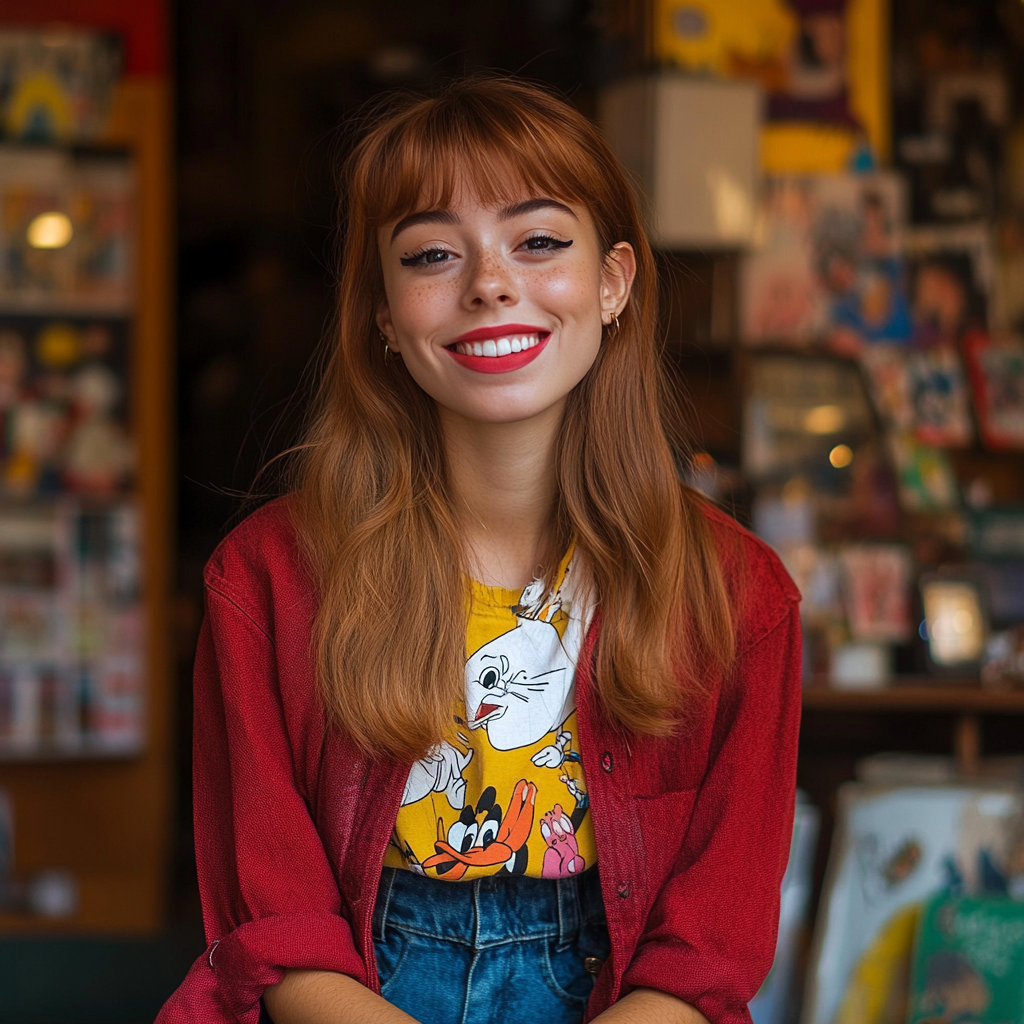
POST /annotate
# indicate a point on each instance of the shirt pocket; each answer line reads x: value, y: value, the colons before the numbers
x: 664, y: 820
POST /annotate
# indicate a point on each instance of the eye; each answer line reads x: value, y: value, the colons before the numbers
x: 462, y: 836
x: 490, y: 678
x: 488, y: 833
x: 545, y: 243
x: 426, y: 257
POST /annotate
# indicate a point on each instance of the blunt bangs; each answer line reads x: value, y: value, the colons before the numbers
x: 471, y: 140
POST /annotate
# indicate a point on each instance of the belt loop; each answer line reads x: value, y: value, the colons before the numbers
x: 380, y: 910
x: 567, y: 892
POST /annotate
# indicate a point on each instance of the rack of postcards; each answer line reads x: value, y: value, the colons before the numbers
x: 876, y: 378
x: 70, y: 612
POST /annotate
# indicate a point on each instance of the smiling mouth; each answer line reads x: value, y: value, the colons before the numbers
x: 487, y: 713
x: 499, y: 355
x: 493, y: 348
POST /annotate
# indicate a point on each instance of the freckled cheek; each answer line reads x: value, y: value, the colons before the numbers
x: 420, y: 309
x: 572, y: 293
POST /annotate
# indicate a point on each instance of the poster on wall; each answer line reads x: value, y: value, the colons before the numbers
x: 826, y: 268
x: 64, y: 407
x: 56, y: 85
x: 823, y: 65
x: 996, y: 366
x: 894, y: 848
x: 66, y: 232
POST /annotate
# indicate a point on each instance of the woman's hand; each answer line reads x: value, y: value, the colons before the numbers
x: 649, y: 1006
x: 324, y: 997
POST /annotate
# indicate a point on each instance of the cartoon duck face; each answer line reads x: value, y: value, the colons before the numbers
x: 483, y: 837
x: 519, y: 686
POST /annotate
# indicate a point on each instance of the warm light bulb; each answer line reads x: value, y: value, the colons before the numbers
x: 51, y: 230
x: 824, y: 419
x: 840, y: 456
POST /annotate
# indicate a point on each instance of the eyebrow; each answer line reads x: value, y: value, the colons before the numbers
x: 505, y: 213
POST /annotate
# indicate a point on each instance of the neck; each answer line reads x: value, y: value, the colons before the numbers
x: 504, y: 488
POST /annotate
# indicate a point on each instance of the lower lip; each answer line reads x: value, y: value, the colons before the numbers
x: 499, y: 364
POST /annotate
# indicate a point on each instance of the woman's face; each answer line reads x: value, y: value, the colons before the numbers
x: 497, y: 311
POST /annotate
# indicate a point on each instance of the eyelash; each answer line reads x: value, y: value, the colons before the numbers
x: 419, y: 259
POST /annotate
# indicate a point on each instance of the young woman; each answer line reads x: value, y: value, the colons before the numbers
x: 495, y: 719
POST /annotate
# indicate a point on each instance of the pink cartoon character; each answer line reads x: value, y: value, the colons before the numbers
x: 562, y: 857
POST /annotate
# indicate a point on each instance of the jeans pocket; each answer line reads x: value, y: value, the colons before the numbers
x: 390, y: 953
x: 566, y: 972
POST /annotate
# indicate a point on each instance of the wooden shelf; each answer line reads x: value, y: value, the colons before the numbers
x: 957, y: 696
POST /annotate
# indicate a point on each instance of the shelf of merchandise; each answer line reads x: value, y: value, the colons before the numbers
x: 923, y: 694
x: 106, y: 819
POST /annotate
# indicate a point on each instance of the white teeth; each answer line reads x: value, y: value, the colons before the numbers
x: 498, y: 346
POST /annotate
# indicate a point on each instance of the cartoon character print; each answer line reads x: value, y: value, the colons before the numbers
x: 519, y: 686
x: 562, y: 857
x: 439, y: 772
x: 483, y: 837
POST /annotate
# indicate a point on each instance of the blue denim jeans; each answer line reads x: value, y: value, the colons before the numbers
x: 498, y: 950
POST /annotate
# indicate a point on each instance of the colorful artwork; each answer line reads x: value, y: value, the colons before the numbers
x: 71, y: 639
x: 968, y: 963
x: 876, y: 588
x: 924, y: 475
x: 56, y: 85
x: 895, y: 847
x: 63, y: 407
x: 821, y: 62
x: 996, y: 366
x: 921, y: 390
x: 66, y: 232
x: 826, y: 268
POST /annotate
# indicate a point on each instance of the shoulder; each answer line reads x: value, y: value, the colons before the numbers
x: 762, y: 591
x: 258, y: 565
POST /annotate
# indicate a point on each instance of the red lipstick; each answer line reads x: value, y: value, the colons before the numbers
x: 499, y: 363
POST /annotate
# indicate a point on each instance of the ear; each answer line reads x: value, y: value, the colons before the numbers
x: 386, y: 326
x: 617, y: 272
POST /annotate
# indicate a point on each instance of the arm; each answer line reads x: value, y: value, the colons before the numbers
x: 321, y: 997
x: 270, y: 900
x: 734, y: 853
x: 644, y: 1005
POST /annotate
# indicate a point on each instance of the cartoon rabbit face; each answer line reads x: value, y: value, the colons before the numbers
x: 519, y: 687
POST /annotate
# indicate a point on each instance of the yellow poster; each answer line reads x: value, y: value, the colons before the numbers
x: 822, y: 63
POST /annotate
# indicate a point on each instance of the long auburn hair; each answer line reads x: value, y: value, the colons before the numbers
x: 372, y: 504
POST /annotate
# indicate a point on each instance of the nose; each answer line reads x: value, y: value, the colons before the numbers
x: 490, y: 283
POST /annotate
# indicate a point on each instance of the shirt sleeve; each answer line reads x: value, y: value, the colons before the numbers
x: 710, y: 936
x: 270, y: 899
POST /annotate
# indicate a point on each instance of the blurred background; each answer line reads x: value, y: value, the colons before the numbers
x: 835, y: 192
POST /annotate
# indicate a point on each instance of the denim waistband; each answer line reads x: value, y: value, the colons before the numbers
x: 488, y: 911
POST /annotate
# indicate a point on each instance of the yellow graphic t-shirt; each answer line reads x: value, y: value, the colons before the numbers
x: 506, y: 794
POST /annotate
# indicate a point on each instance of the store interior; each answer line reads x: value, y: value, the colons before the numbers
x: 835, y: 196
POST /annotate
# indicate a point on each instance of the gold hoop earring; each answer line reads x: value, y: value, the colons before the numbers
x: 615, y: 320
x: 387, y: 348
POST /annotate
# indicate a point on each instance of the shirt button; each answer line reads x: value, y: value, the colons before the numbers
x: 624, y: 890
x: 607, y: 762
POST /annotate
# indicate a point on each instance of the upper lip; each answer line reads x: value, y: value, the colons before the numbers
x: 501, y: 331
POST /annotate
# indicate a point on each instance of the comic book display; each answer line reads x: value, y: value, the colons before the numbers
x: 894, y: 848
x: 56, y: 86
x: 71, y: 640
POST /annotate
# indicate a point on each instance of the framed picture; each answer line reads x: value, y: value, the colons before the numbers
x: 893, y: 848
x: 877, y: 590
x: 826, y: 268
x: 955, y: 618
x: 995, y: 364
x: 797, y: 411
